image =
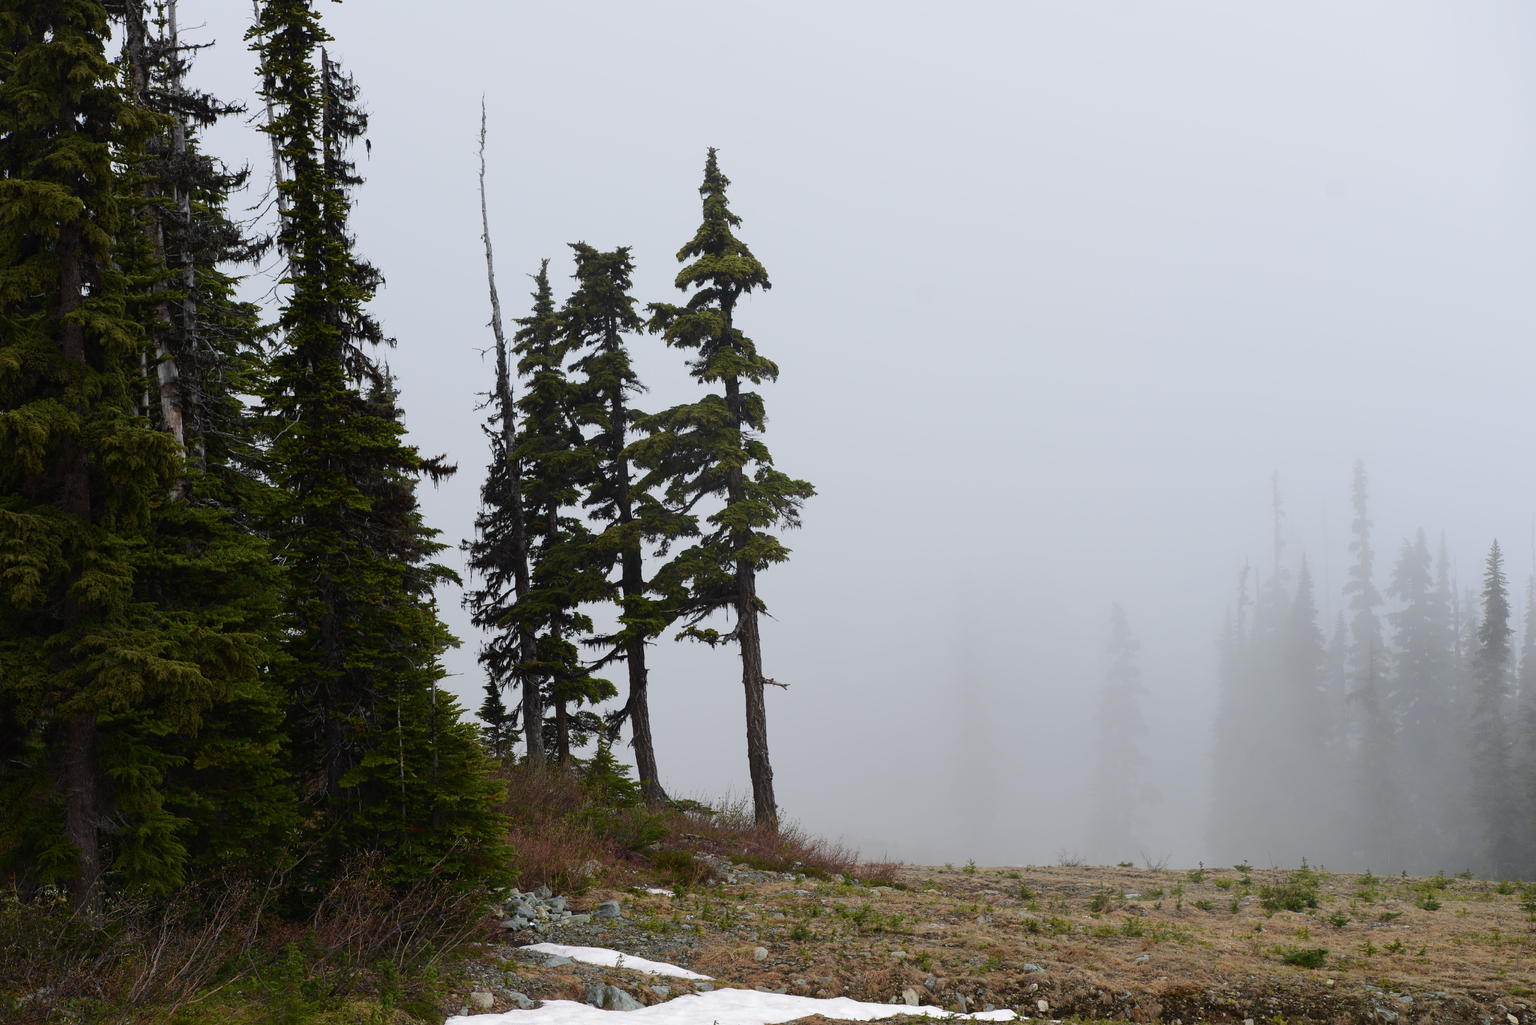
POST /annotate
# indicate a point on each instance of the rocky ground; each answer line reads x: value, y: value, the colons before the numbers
x: 1094, y: 944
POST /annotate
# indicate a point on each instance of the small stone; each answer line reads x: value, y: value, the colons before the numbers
x: 590, y: 868
x: 662, y: 991
x: 962, y: 1005
x: 555, y: 904
x: 898, y: 953
x: 1034, y: 987
x: 1143, y: 959
x: 1042, y: 1005
x: 512, y: 924
x: 760, y: 954
x: 1512, y: 1019
x: 480, y: 1000
x: 521, y: 1001
x: 930, y: 982
x: 556, y: 960
x: 1031, y: 968
x: 608, y: 909
x: 703, y: 987
x: 581, y: 919
x: 543, y: 893
x: 909, y: 997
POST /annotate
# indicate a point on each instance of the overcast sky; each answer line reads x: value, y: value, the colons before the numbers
x: 1057, y: 287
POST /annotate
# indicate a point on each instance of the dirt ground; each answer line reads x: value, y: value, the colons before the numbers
x: 1084, y: 943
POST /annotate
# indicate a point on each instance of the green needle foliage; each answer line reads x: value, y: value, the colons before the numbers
x: 712, y: 448
x: 564, y: 577
x: 129, y: 624
x: 596, y: 320
x: 380, y: 752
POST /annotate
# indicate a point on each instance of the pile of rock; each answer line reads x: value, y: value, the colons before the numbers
x: 541, y: 910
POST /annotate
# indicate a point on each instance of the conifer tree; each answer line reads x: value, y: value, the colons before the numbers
x: 1423, y: 672
x: 595, y: 321
x: 1378, y: 783
x: 117, y: 631
x: 380, y: 750
x: 713, y: 448
x: 564, y: 576
x: 1493, y: 795
x: 205, y: 562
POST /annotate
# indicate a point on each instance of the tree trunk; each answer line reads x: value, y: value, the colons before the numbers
x: 167, y: 376
x: 81, y: 813
x: 632, y: 585
x: 533, y: 701
x: 765, y: 810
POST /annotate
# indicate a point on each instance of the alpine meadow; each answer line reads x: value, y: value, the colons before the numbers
x: 499, y: 502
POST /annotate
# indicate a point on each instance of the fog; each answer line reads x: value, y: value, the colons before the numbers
x: 1058, y: 289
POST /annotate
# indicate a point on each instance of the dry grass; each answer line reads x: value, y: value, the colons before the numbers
x: 560, y: 840
x: 1139, y: 945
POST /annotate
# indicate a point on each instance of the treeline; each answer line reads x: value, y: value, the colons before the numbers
x: 218, y: 638
x: 1400, y: 736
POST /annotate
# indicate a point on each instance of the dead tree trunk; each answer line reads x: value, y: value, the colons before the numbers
x: 533, y: 701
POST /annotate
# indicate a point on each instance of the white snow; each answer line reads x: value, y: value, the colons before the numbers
x: 613, y: 959
x: 719, y: 1007
x: 660, y: 893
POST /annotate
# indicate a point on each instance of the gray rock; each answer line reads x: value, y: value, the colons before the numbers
x: 581, y: 919
x: 612, y: 998
x: 555, y: 904
x: 556, y: 960
x: 480, y: 1000
x: 1143, y: 959
x: 1031, y: 968
x: 660, y: 990
x: 513, y: 923
x: 543, y: 893
x: 521, y: 1001
x: 608, y: 909
x: 703, y: 987
x: 1043, y: 1005
x: 760, y: 954
x: 908, y: 996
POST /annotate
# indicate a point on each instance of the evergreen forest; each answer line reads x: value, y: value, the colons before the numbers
x: 220, y: 647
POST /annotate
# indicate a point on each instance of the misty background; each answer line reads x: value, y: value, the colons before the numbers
x: 1058, y: 288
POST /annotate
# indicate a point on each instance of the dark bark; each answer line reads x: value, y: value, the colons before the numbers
x: 765, y: 809
x: 82, y: 812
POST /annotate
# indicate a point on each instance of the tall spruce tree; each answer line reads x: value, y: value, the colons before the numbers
x: 1377, y: 772
x: 1421, y: 692
x: 229, y: 779
x: 120, y: 639
x: 595, y: 322
x: 1493, y: 795
x: 380, y: 749
x: 566, y: 575
x: 714, y: 448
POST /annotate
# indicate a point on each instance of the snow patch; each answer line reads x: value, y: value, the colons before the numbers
x: 613, y: 959
x: 736, y: 1006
